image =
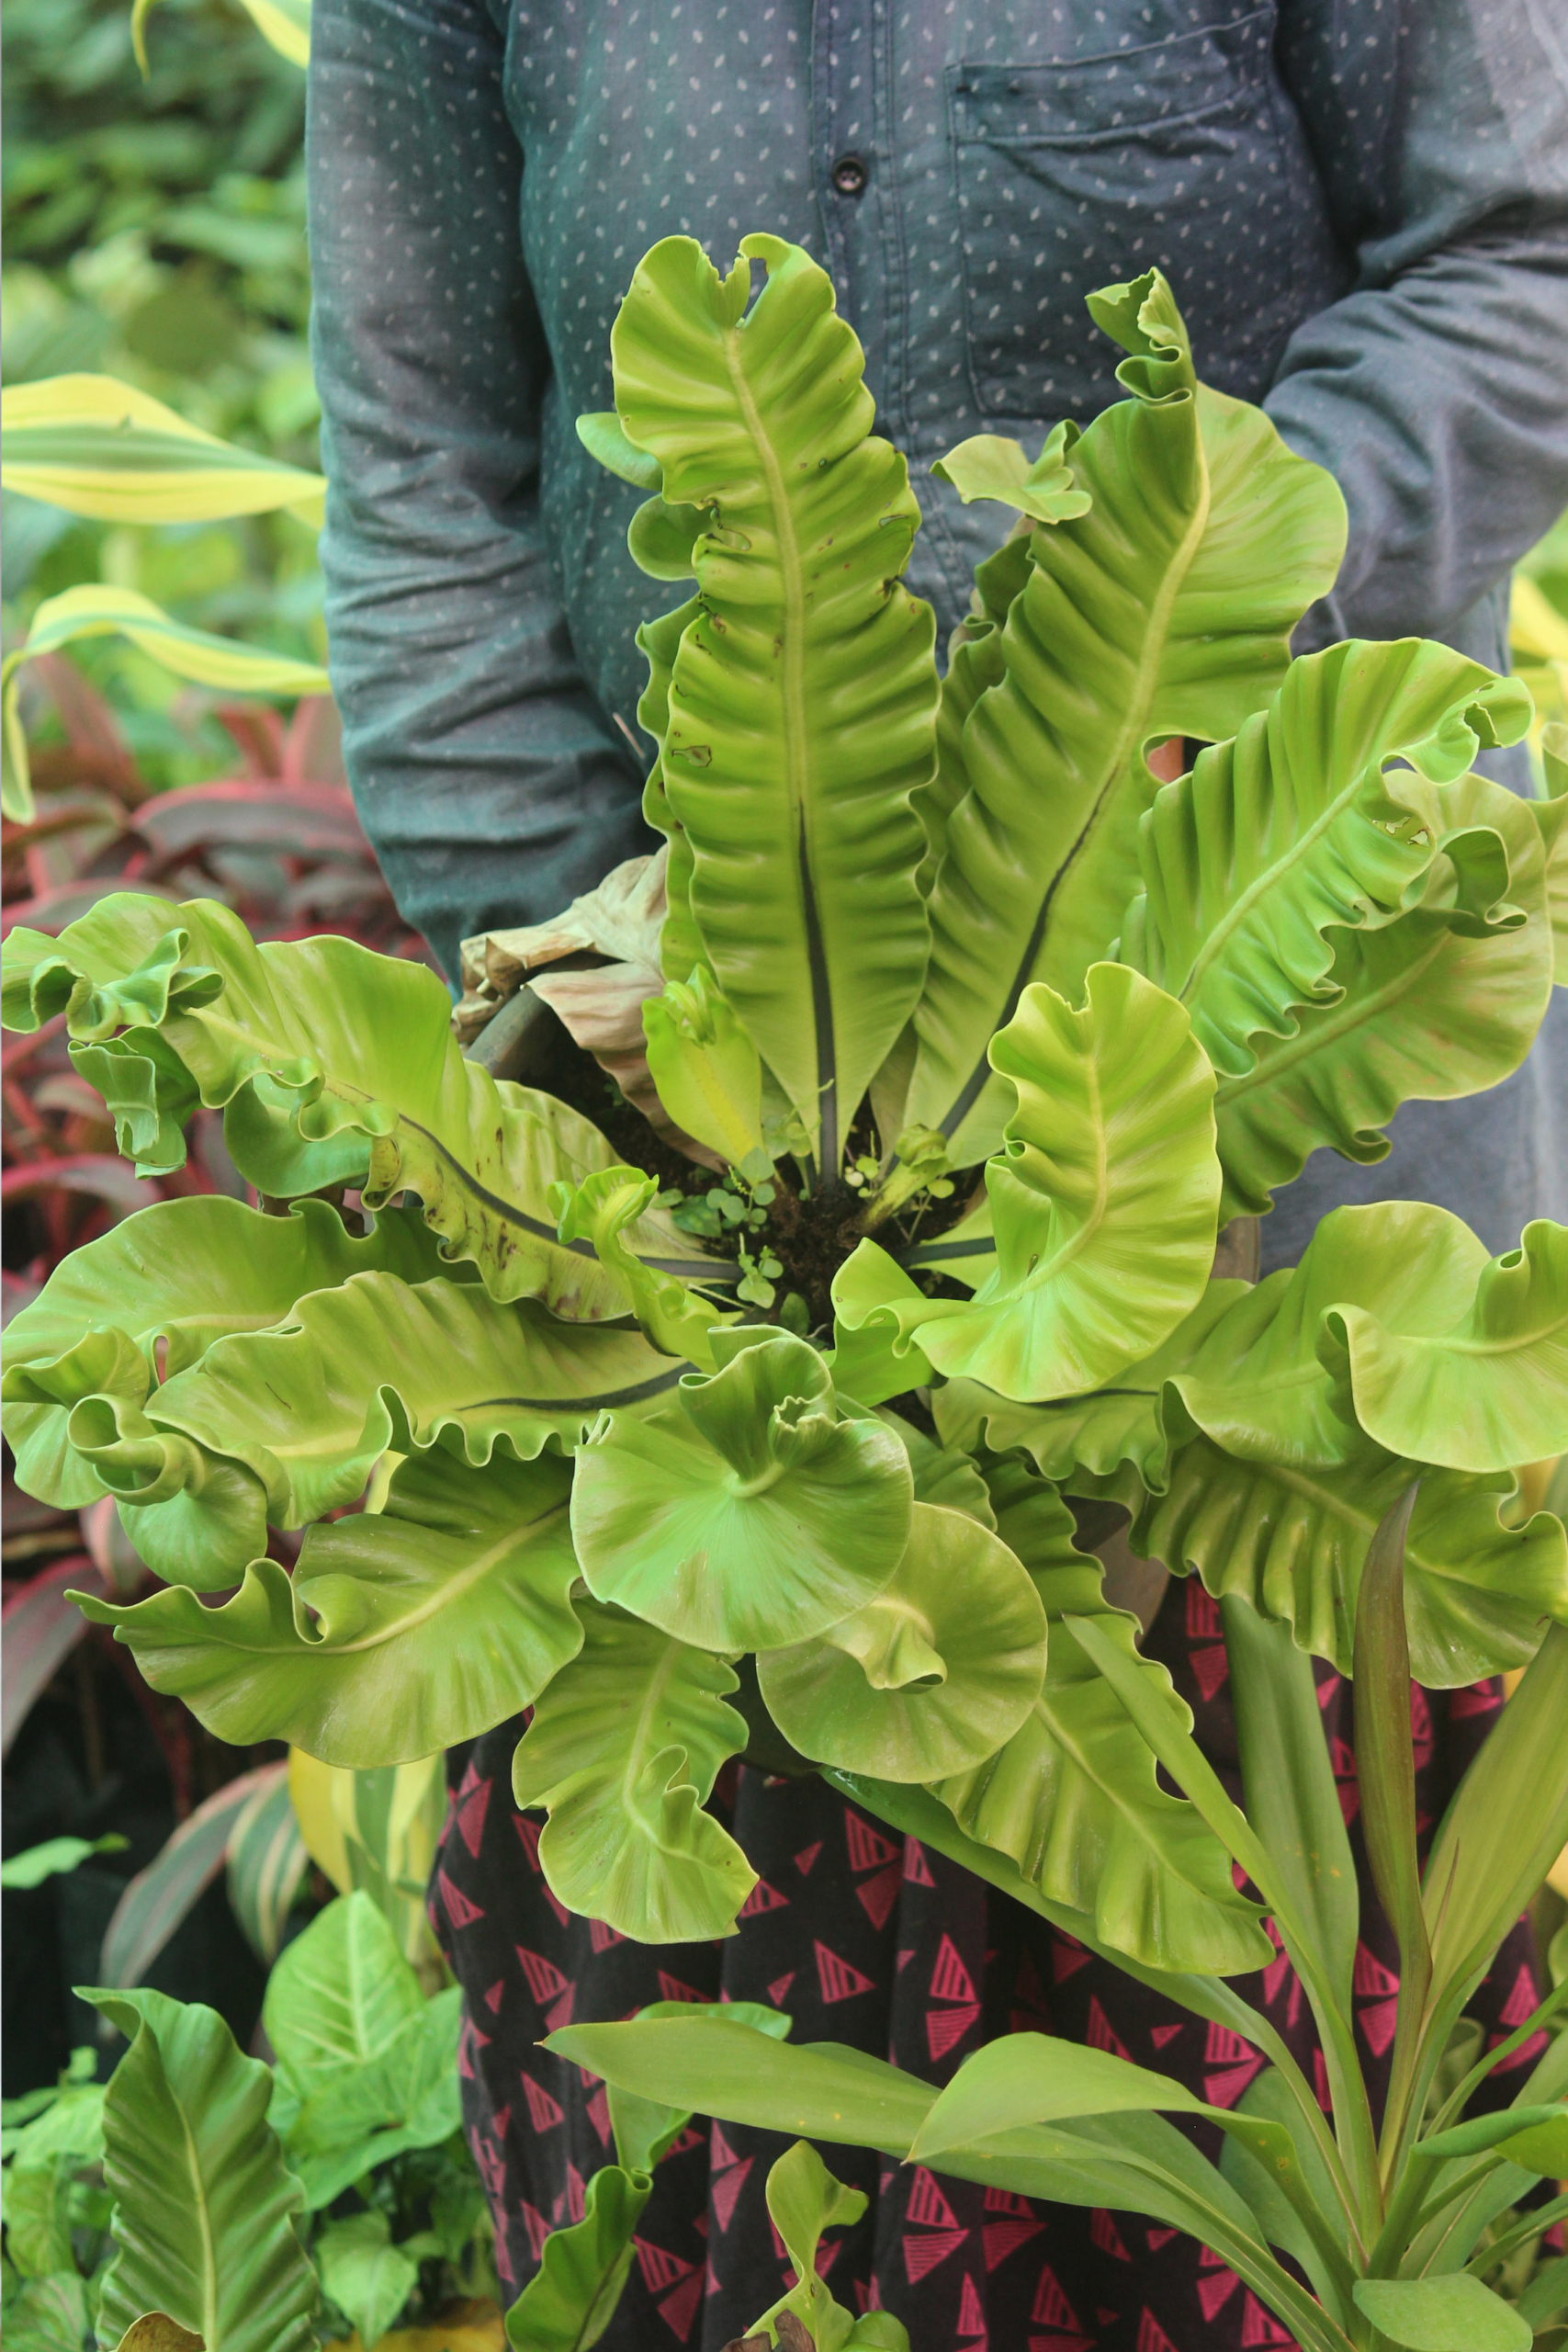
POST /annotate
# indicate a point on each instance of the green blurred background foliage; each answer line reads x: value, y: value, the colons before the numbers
x: 154, y: 231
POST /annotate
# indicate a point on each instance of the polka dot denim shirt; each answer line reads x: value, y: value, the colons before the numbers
x: 1362, y: 206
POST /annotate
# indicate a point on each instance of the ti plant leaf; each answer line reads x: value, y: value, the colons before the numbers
x: 571, y: 2298
x: 624, y: 1749
x: 1157, y: 613
x: 399, y: 1632
x: 934, y: 1675
x: 1111, y: 1145
x: 203, y: 2205
x: 747, y: 1513
x: 802, y: 698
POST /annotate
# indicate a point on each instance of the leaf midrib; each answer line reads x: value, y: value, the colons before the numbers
x: 1147, y: 675
x: 1335, y: 1022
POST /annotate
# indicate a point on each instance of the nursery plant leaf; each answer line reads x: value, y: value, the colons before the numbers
x: 1488, y: 1389
x: 360, y: 2115
x: 364, y: 2273
x: 204, y: 2206
x: 400, y: 1632
x: 988, y: 466
x: 380, y: 1363
x: 342, y: 1992
x: 1300, y: 824
x: 1073, y: 1798
x: 264, y: 1865
x: 1506, y: 1824
x: 643, y: 2130
x: 50, y: 2315
x: 337, y: 1065
x: 1425, y: 1007
x: 747, y: 1513
x: 803, y: 697
x: 100, y: 448
x: 1024, y: 2078
x: 1292, y: 1539
x: 171, y: 1278
x: 681, y: 949
x: 1385, y: 1766
x: 1165, y: 610
x: 1108, y: 1154
x: 571, y: 2298
x: 936, y: 1673
x: 1435, y: 2314
x: 624, y: 1748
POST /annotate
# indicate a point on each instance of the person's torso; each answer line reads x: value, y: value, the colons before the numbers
x: 967, y: 174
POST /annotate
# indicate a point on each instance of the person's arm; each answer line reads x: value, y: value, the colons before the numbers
x: 1436, y: 390
x: 492, y: 785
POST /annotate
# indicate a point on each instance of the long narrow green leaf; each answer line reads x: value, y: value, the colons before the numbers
x: 1166, y: 610
x: 802, y: 703
x: 102, y: 449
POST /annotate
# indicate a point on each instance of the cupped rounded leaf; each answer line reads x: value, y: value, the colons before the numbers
x: 624, y: 1749
x: 337, y: 1065
x: 748, y: 1515
x: 192, y: 1516
x: 1423, y: 1009
x: 803, y: 693
x: 380, y: 1363
x: 936, y: 1673
x: 204, y: 2206
x: 1104, y: 1199
x: 1292, y: 1538
x: 1299, y: 825
x: 1073, y: 1797
x: 1165, y: 610
x: 400, y: 1632
x: 1482, y: 1391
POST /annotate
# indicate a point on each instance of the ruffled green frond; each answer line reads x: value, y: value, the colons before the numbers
x: 1481, y: 1390
x: 1424, y: 1009
x: 936, y: 1673
x: 1166, y: 610
x: 681, y: 948
x: 802, y: 704
x: 604, y: 1210
x: 382, y: 1363
x: 747, y: 1513
x: 168, y: 1281
x: 989, y: 466
x: 1301, y: 824
x: 624, y: 1749
x: 1550, y: 816
x: 1108, y: 1161
x: 707, y: 1071
x: 402, y: 1631
x: 1073, y: 1799
x: 1293, y: 1539
x: 340, y: 1064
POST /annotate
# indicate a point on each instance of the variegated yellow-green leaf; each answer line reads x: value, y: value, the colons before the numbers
x: 102, y: 448
x: 747, y: 1513
x: 1166, y: 610
x: 1108, y: 1161
x: 802, y: 699
x: 284, y: 25
x: 933, y: 1674
x: 102, y: 611
x: 624, y: 1749
x: 400, y: 1632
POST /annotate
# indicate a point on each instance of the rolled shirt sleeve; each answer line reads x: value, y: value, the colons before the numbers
x: 489, y: 780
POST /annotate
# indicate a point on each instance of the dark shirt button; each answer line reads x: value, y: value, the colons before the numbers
x: 849, y: 175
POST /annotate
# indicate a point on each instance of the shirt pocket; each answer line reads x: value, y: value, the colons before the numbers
x: 1074, y: 172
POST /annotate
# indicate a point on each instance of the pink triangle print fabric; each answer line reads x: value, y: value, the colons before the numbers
x: 867, y: 1939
